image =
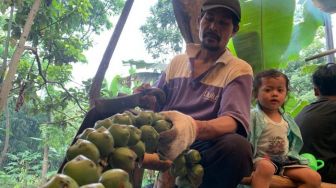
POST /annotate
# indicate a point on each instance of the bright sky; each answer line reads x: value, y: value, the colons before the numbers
x: 130, y: 45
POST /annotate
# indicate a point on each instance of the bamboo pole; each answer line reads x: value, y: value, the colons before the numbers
x: 325, y: 53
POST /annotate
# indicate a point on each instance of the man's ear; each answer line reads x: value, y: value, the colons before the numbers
x: 316, y: 92
x: 198, y: 22
x: 235, y: 30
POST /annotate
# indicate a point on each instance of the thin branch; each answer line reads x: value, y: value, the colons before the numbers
x: 34, y: 51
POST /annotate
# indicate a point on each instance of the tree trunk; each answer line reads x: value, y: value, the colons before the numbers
x: 186, y: 14
x: 45, y: 163
x: 6, y: 143
x: 6, y: 46
x: 100, y: 74
x: 7, y: 85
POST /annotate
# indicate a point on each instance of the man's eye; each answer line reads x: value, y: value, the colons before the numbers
x: 223, y: 22
x: 209, y: 18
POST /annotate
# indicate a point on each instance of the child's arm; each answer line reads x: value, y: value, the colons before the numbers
x: 252, y: 136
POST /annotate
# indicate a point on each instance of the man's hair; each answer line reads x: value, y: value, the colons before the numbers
x: 324, y: 79
x: 271, y: 73
x: 232, y: 5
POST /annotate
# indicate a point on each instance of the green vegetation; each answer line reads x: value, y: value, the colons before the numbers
x: 45, y: 108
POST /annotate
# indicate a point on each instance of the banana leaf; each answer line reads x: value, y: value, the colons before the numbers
x: 304, y: 32
x: 267, y: 37
x: 265, y: 32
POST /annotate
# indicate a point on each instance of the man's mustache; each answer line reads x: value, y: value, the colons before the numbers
x: 211, y: 35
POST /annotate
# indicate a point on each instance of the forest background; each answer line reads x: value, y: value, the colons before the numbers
x: 49, y: 97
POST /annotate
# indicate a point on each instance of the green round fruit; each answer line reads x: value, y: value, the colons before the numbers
x: 60, y: 181
x: 139, y: 150
x: 82, y: 170
x: 150, y: 137
x: 178, y: 170
x: 103, y: 139
x: 131, y: 116
x: 135, y: 135
x: 123, y: 119
x: 103, y: 123
x: 162, y: 125
x: 183, y: 182
x: 193, y: 156
x: 86, y: 132
x: 180, y: 161
x: 83, y: 147
x: 93, y: 185
x: 115, y: 178
x: 195, y: 174
x: 120, y: 134
x: 123, y: 158
x: 158, y: 116
x: 144, y: 118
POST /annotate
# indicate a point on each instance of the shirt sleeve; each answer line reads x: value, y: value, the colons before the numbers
x: 161, y: 84
x: 236, y: 102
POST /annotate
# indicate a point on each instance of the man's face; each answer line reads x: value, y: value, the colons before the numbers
x: 216, y: 28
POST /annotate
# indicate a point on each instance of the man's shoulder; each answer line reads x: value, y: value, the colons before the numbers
x: 234, y: 67
x: 238, y: 64
x: 180, y: 58
x: 178, y: 67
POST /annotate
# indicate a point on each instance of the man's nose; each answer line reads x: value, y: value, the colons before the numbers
x: 213, y: 26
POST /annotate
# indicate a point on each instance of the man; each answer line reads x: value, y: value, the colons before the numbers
x: 208, y: 99
x: 317, y: 121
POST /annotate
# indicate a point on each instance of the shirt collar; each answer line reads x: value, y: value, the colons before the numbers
x: 193, y: 49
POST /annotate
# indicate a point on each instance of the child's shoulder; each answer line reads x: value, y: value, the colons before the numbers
x: 286, y: 116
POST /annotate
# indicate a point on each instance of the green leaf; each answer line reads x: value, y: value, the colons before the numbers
x: 294, y: 105
x: 308, y: 69
x: 114, y: 86
x: 265, y: 32
x: 304, y: 32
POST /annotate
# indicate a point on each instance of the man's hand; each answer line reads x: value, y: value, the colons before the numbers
x: 179, y: 137
x: 151, y: 97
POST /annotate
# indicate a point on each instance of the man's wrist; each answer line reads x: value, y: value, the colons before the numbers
x: 199, y: 126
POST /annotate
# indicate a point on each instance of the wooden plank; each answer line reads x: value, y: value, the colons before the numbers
x: 152, y: 162
x: 283, y: 182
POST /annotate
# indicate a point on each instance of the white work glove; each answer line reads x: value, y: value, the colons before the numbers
x: 175, y: 140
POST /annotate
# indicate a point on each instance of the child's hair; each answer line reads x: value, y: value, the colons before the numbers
x: 271, y: 73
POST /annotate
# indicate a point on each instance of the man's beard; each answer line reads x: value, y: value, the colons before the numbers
x: 210, y: 48
x: 214, y: 36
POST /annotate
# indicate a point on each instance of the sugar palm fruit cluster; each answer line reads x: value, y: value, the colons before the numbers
x: 103, y: 156
x: 186, y: 169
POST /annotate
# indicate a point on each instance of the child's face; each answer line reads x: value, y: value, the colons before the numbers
x: 272, y: 93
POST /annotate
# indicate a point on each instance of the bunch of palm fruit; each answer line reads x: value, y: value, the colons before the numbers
x: 186, y: 169
x: 103, y: 156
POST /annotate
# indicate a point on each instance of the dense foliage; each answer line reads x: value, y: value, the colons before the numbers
x: 161, y: 34
x: 45, y: 107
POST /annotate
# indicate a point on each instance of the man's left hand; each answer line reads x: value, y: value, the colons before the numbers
x: 175, y: 140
